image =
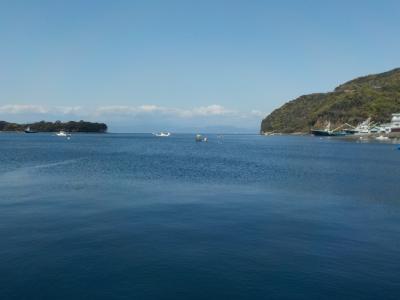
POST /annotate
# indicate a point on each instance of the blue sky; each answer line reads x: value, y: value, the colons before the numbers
x: 184, y: 65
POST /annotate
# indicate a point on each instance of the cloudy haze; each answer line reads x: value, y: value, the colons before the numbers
x: 143, y: 118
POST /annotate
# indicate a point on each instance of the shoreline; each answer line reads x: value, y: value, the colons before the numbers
x: 392, y: 137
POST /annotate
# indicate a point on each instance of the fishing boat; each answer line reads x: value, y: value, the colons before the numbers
x: 382, y: 138
x: 62, y: 133
x: 362, y: 128
x: 162, y: 134
x: 200, y: 138
x: 322, y: 132
x: 28, y: 130
x: 317, y: 132
x: 328, y: 132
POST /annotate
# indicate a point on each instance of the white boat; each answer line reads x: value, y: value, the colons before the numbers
x: 363, y: 127
x: 200, y: 138
x: 162, y: 134
x: 63, y: 134
x: 382, y: 138
x: 368, y: 127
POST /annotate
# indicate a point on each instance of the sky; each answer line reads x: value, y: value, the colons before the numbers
x: 144, y: 66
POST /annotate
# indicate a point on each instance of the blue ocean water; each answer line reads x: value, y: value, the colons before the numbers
x: 132, y: 216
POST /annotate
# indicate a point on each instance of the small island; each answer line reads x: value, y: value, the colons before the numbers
x: 43, y: 126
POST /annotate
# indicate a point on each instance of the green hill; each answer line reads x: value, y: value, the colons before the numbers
x: 376, y: 96
x: 43, y: 126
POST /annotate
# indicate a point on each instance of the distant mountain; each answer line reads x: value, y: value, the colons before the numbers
x: 43, y: 126
x: 222, y: 129
x: 376, y: 96
x: 176, y: 128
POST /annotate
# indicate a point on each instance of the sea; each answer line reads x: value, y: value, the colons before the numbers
x: 134, y: 216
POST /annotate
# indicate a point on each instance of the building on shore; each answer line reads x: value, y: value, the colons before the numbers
x: 393, y: 126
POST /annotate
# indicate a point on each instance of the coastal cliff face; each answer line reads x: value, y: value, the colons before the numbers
x: 376, y: 96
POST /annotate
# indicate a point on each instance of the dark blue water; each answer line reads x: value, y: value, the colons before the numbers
x: 242, y: 217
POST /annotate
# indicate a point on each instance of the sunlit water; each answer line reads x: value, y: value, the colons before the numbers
x: 241, y: 217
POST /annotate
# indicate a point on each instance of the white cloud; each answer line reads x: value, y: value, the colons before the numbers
x: 257, y: 113
x: 211, y: 110
x: 129, y: 110
x: 39, y: 109
x: 150, y: 108
x: 23, y: 109
x: 115, y: 109
x: 124, y: 110
x: 68, y: 110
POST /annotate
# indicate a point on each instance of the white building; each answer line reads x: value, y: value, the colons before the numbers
x: 395, y: 123
x: 393, y: 126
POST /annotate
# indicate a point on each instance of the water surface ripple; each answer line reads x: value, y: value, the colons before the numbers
x: 132, y: 216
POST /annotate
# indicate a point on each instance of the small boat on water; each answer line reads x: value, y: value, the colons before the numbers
x: 162, y: 134
x: 62, y: 133
x: 382, y: 138
x: 200, y: 138
x: 28, y: 130
x: 328, y: 132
